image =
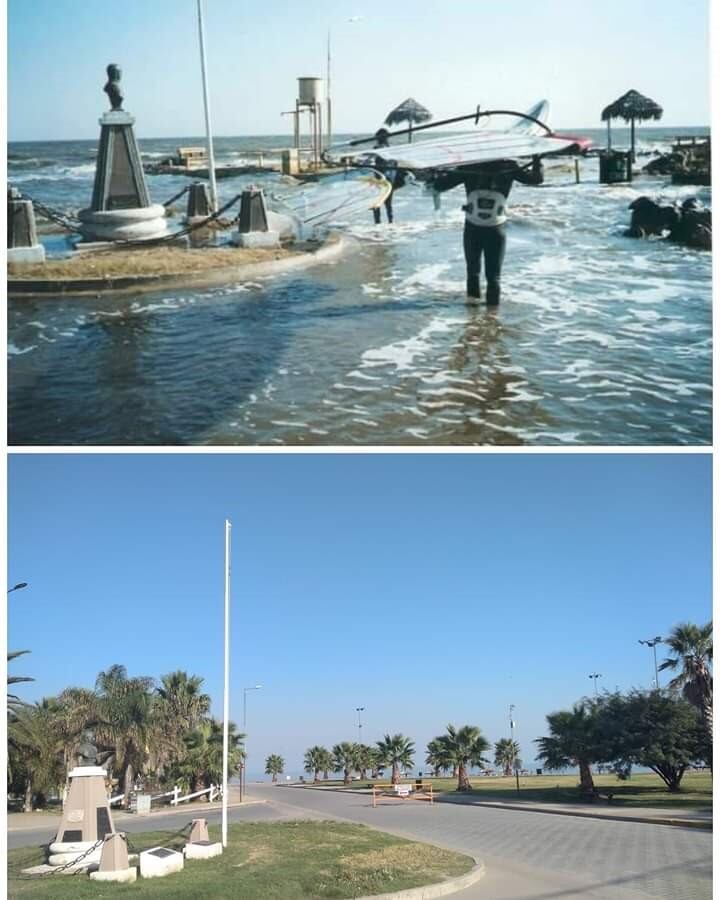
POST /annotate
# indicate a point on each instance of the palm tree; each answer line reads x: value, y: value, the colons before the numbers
x: 507, y: 752
x: 14, y: 702
x: 35, y: 752
x: 396, y: 750
x: 364, y: 760
x: 180, y: 707
x: 573, y: 741
x: 691, y: 646
x: 125, y: 711
x: 314, y: 760
x: 325, y: 761
x: 274, y: 765
x: 375, y: 761
x: 437, y: 756
x: 200, y: 764
x: 345, y: 759
x: 463, y: 747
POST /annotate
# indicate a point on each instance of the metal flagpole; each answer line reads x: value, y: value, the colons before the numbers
x: 329, y: 101
x: 226, y: 695
x: 208, y: 131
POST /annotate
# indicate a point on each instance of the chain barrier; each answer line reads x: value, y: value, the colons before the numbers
x: 169, y: 837
x: 173, y: 236
x: 177, y: 196
x: 68, y: 865
x: 54, y: 215
x: 63, y: 219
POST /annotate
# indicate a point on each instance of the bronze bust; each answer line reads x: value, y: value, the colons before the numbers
x: 112, y: 88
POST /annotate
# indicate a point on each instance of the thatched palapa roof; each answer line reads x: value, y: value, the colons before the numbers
x: 408, y: 111
x: 632, y: 105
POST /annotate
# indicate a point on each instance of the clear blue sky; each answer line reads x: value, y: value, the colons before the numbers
x: 427, y: 588
x: 580, y: 54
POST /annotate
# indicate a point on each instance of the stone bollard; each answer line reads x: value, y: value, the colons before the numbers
x: 22, y: 242
x: 198, y: 206
x: 114, y: 861
x: 253, y: 231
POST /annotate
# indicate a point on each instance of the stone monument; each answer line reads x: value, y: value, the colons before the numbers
x: 86, y: 818
x: 120, y: 207
x: 22, y: 242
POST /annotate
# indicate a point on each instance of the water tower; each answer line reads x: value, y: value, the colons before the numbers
x: 310, y: 99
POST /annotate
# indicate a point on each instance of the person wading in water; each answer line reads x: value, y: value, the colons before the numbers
x: 396, y: 177
x: 487, y: 189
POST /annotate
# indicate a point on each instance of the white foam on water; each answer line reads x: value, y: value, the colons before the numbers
x: 13, y: 350
x: 401, y: 355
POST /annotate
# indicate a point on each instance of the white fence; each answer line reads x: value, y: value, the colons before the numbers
x: 213, y: 792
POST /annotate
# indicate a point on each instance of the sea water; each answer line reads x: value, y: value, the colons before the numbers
x: 599, y: 339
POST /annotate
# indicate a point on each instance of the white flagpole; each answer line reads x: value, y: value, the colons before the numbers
x: 208, y: 131
x: 226, y: 695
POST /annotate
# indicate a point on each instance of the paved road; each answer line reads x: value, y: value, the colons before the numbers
x: 528, y: 856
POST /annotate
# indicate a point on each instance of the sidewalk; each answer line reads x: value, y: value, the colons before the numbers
x: 28, y: 821
x: 688, y: 818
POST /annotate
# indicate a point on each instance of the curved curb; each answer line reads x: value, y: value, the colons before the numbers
x: 440, y: 889
x: 329, y: 249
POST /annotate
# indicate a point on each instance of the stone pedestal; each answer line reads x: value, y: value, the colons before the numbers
x: 86, y: 818
x: 114, y: 861
x: 198, y: 207
x: 22, y: 242
x: 120, y: 208
x: 253, y: 231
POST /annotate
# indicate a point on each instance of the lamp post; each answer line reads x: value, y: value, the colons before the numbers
x: 18, y: 586
x: 328, y: 99
x: 595, y: 676
x: 512, y: 740
x: 226, y: 685
x: 255, y: 687
x: 653, y: 642
x: 358, y: 710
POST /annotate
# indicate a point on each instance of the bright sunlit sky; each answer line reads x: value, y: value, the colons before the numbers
x: 427, y: 588
x: 450, y: 55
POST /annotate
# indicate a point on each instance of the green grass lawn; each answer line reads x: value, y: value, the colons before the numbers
x: 289, y: 860
x: 638, y: 791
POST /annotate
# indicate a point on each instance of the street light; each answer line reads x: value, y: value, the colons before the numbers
x: 18, y: 586
x: 653, y: 642
x: 512, y: 739
x: 358, y: 710
x: 328, y: 100
x: 595, y: 676
x: 255, y: 687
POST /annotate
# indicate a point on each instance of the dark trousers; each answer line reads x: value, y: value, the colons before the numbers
x: 388, y: 210
x: 487, y: 240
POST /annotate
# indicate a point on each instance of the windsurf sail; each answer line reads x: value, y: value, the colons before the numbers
x: 526, y: 138
x: 333, y: 197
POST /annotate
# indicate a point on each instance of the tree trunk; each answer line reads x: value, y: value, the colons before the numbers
x: 395, y: 774
x: 27, y: 802
x: 463, y: 780
x: 587, y: 786
x: 274, y: 777
x: 454, y: 771
x: 128, y: 777
x: 346, y: 776
x: 362, y: 773
x: 326, y: 775
x: 508, y: 769
x: 317, y: 775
